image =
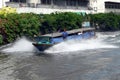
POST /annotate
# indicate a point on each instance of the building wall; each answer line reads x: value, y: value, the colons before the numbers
x: 97, y: 6
x: 2, y: 3
x: 113, y: 0
x: 33, y: 1
x: 116, y: 10
x: 101, y: 4
x: 48, y: 10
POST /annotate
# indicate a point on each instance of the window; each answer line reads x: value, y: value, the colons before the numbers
x: 95, y: 8
x: 22, y: 1
x: 45, y: 1
x: 112, y: 5
x: 71, y: 2
x: 14, y: 0
x: 83, y: 2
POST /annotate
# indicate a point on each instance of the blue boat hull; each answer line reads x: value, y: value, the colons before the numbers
x: 42, y: 47
x: 54, y: 40
x: 77, y: 36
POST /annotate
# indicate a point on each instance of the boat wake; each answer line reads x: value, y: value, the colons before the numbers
x: 22, y: 45
x: 75, y: 45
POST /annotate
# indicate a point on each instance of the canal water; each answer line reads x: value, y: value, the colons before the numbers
x: 93, y: 59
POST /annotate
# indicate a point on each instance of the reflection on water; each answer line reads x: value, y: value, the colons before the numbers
x: 96, y: 60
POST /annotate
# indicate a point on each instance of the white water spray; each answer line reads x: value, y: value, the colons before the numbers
x: 21, y: 45
x: 75, y: 45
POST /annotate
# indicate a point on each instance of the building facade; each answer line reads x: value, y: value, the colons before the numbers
x: 112, y: 6
x: 3, y: 3
x: 49, y: 6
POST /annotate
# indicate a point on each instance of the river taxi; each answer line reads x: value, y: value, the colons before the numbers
x: 44, y: 42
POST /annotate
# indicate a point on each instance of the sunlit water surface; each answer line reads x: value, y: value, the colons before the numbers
x: 93, y: 59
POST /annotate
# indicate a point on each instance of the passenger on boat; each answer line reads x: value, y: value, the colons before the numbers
x: 64, y: 34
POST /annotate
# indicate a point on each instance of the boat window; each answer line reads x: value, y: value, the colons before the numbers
x: 42, y: 39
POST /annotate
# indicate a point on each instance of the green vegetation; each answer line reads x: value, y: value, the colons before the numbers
x: 1, y: 39
x: 106, y: 21
x: 15, y: 25
x: 55, y: 21
x: 7, y: 10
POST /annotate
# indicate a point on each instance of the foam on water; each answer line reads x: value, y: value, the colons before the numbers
x: 79, y: 45
x: 104, y: 36
x: 25, y: 46
x: 76, y: 45
x: 21, y: 45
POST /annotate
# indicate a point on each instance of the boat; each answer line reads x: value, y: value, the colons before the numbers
x: 46, y: 41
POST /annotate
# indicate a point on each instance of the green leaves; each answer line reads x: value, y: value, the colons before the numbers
x: 19, y: 25
x: 55, y: 21
x: 1, y: 39
x: 106, y: 21
x: 28, y: 24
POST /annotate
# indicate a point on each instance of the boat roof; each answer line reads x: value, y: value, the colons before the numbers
x: 42, y: 36
x: 74, y: 31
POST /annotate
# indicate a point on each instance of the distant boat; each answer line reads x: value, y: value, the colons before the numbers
x: 44, y: 42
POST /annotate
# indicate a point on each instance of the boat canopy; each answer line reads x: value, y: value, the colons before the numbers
x: 81, y: 30
x: 42, y: 39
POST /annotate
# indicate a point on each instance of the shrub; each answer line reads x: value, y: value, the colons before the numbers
x: 106, y: 21
x: 55, y: 21
x: 15, y: 25
x: 1, y: 39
